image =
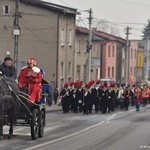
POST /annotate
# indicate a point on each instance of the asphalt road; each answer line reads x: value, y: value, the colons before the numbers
x: 121, y: 130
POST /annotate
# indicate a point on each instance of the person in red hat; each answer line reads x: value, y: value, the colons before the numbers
x: 71, y: 88
x: 110, y: 98
x: 75, y: 98
x: 29, y: 80
x: 96, y: 95
x: 80, y: 97
x: 103, y: 98
x: 65, y: 98
x: 87, y: 99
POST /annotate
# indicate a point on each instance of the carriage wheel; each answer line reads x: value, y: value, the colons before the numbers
x: 42, y: 124
x: 35, y: 124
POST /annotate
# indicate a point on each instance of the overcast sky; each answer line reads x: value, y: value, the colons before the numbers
x: 122, y: 13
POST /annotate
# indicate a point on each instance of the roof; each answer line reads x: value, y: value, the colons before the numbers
x: 109, y: 37
x: 82, y: 30
x: 52, y: 6
x: 97, y: 38
x: 100, y: 36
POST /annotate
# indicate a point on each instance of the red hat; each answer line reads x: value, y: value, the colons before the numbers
x: 31, y: 60
x: 112, y: 84
x: 72, y: 83
x: 98, y: 82
x: 77, y: 84
x: 88, y: 85
x: 105, y: 84
x: 66, y: 84
x: 92, y: 82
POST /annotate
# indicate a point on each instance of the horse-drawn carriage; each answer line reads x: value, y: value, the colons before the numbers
x: 17, y: 110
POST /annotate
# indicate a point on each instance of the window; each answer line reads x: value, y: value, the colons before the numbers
x: 97, y: 74
x: 97, y: 50
x: 112, y: 72
x: 69, y: 70
x: 108, y: 51
x: 62, y: 70
x: 62, y: 37
x: 85, y: 72
x: 78, y: 46
x: 78, y: 72
x: 131, y: 53
x: 113, y: 52
x: 70, y: 37
x: 131, y: 70
x: 108, y: 72
x: 135, y: 53
x: 6, y: 10
x: 134, y: 71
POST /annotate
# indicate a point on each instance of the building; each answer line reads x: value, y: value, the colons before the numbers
x: 112, y: 56
x: 47, y: 33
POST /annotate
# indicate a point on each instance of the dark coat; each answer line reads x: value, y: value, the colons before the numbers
x: 8, y: 71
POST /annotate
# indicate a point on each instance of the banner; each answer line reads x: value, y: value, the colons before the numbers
x: 140, y: 58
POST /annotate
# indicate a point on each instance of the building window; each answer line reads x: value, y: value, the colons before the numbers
x: 131, y: 53
x: 84, y: 46
x: 112, y: 72
x: 108, y: 72
x: 97, y: 77
x: 6, y: 10
x: 131, y: 70
x: 134, y: 71
x: 62, y: 37
x: 113, y: 52
x: 78, y: 72
x: 97, y: 50
x: 135, y: 53
x: 78, y: 46
x: 108, y: 51
x: 70, y: 37
x: 69, y: 70
x: 62, y: 70
x: 85, y: 72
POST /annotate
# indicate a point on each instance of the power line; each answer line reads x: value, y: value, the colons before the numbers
x: 124, y: 1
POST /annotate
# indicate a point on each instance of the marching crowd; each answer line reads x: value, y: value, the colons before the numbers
x: 97, y: 97
x: 75, y: 96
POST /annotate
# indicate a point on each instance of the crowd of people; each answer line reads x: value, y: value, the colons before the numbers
x: 76, y: 97
x: 97, y: 97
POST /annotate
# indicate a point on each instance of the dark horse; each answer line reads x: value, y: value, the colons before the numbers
x: 8, y: 103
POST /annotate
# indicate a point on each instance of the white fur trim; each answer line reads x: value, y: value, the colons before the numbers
x: 36, y: 69
x: 24, y: 67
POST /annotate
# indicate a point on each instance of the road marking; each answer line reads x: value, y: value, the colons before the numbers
x: 65, y: 137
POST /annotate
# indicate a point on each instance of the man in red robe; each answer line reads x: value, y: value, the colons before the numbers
x: 30, y: 78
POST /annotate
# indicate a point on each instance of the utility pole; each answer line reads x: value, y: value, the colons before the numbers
x: 127, y: 56
x: 147, y: 59
x: 16, y: 33
x: 89, y: 46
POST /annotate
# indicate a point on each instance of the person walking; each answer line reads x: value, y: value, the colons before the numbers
x: 126, y: 98
x: 64, y: 93
x: 56, y: 93
x: 138, y: 96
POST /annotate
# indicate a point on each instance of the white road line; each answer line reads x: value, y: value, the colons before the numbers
x: 62, y: 138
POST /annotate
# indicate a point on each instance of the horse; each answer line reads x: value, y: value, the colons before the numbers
x: 8, y: 103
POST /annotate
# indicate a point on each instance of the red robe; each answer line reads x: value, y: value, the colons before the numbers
x: 33, y: 78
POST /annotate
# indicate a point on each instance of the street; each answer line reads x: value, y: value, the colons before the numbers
x: 120, y: 130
